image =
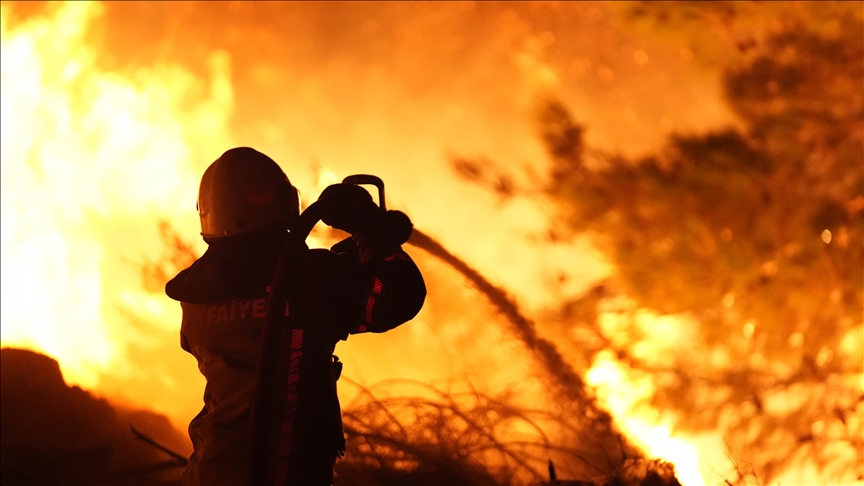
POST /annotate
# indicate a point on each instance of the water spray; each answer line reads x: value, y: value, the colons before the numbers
x: 567, y: 384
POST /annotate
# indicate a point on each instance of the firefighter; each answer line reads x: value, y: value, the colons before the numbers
x: 365, y: 283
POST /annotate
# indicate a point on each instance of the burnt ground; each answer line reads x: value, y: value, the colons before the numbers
x: 54, y: 434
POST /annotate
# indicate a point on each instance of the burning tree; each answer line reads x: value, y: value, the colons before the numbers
x: 751, y: 236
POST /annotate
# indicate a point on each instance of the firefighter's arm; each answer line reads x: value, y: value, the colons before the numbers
x: 390, y: 286
x: 386, y: 288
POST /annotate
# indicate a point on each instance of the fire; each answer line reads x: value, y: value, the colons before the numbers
x: 621, y: 393
x: 91, y: 159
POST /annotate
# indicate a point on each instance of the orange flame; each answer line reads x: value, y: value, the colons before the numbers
x: 91, y: 159
x: 620, y: 393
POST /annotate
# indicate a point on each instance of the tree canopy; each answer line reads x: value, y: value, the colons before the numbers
x: 753, y: 234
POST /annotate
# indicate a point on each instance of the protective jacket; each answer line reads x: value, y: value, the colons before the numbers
x: 338, y: 292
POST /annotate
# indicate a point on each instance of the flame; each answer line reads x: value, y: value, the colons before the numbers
x: 93, y: 158
x: 622, y: 394
x: 90, y: 160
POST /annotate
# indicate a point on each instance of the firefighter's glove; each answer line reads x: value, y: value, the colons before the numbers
x: 347, y: 207
x: 399, y: 225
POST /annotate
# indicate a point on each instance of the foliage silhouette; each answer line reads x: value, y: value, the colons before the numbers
x: 458, y: 438
x: 752, y: 234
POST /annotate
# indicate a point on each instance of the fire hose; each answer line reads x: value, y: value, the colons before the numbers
x: 264, y: 408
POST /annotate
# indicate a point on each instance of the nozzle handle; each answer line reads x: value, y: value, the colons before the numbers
x: 359, y: 179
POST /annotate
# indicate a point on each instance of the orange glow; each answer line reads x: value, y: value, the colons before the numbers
x: 625, y: 393
x: 90, y: 160
x: 94, y: 157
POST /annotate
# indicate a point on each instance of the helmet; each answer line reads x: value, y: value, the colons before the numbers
x: 244, y: 190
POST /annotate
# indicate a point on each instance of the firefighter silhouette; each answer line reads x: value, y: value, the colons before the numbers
x: 250, y: 220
